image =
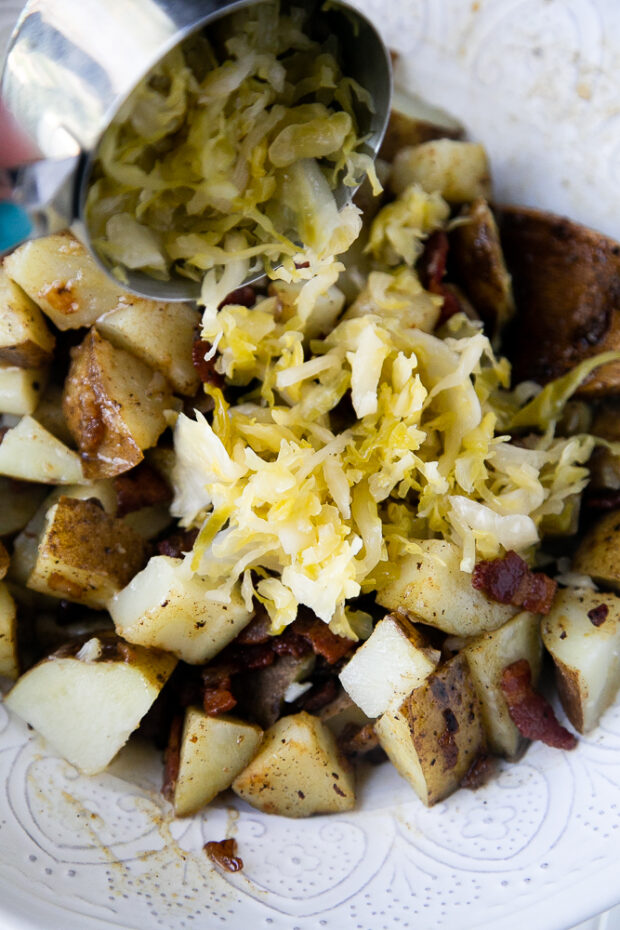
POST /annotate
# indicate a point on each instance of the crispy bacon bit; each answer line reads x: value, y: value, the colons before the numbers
x: 140, y: 487
x: 172, y: 758
x: 479, y: 773
x: 243, y: 297
x: 598, y: 615
x: 205, y: 369
x: 320, y: 637
x: 224, y: 854
x: 508, y: 580
x: 290, y: 644
x: 177, y: 544
x: 530, y: 712
x: 216, y: 701
x: 603, y: 500
x: 432, y: 265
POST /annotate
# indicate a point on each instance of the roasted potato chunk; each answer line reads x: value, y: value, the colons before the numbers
x: 166, y: 607
x: 476, y: 252
x: 161, y: 335
x: 114, y: 405
x: 297, y: 771
x: 582, y: 633
x: 86, y: 701
x: 393, y: 661
x: 487, y: 657
x: 214, y: 750
x: 412, y: 124
x: 62, y: 278
x: 565, y: 280
x: 9, y: 662
x: 29, y: 453
x: 432, y: 587
x: 25, y: 340
x: 437, y: 733
x: 598, y: 553
x: 20, y: 389
x: 459, y: 171
x: 84, y: 555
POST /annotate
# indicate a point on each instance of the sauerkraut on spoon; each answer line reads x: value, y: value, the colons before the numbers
x: 231, y: 157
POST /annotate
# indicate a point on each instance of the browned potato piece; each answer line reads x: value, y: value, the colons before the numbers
x: 4, y: 561
x: 84, y: 555
x: 436, y: 734
x: 159, y: 334
x: 51, y: 417
x: 598, y: 553
x: 25, y: 340
x: 487, y: 656
x: 565, y: 280
x: 459, y: 171
x: 9, y: 663
x: 582, y: 633
x: 297, y: 771
x: 62, y: 278
x: 114, y: 405
x: 476, y: 250
x: 214, y: 750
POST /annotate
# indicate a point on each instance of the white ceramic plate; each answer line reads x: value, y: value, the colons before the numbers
x: 537, y: 81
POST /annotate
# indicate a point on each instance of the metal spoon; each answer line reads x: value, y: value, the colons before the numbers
x: 72, y: 63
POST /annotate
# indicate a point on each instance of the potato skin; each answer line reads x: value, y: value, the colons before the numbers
x: 598, y: 553
x: 114, y: 406
x: 436, y: 734
x: 566, y: 281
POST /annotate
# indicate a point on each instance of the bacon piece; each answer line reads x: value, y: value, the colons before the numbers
x: 598, y: 615
x: 172, y: 758
x: 216, y: 701
x: 480, y: 771
x: 140, y: 487
x: 508, y: 580
x: 603, y: 500
x: 319, y: 636
x: 243, y: 297
x: 205, y: 368
x: 530, y: 712
x: 432, y: 264
x: 224, y: 854
x: 177, y: 544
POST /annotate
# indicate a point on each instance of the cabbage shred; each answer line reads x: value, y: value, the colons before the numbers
x: 360, y: 430
x: 227, y: 156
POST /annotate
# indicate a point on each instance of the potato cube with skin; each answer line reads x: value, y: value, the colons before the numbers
x: 20, y: 389
x: 9, y: 664
x: 487, y: 657
x: 26, y: 544
x: 84, y: 555
x: 50, y: 415
x: 437, y: 733
x: 114, y: 405
x: 25, y: 340
x: 598, y: 553
x: 214, y: 750
x: 432, y: 587
x: 87, y: 704
x: 29, y: 453
x: 582, y: 633
x: 166, y: 607
x: 61, y: 277
x: 160, y: 334
x: 459, y: 171
x: 297, y: 771
x: 393, y: 661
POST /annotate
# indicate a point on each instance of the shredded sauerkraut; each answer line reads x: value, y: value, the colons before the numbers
x: 227, y: 156
x: 355, y: 434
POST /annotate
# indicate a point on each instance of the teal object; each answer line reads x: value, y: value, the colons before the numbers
x: 15, y: 225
